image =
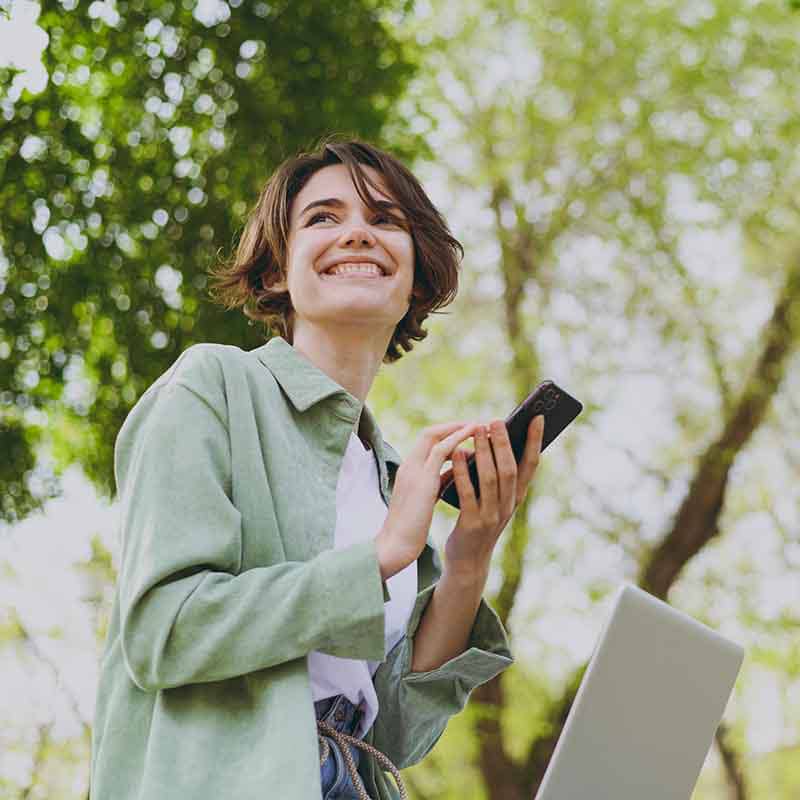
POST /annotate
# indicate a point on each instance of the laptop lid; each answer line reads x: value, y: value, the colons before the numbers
x: 648, y: 706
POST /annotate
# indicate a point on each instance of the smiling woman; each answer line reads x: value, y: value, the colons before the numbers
x: 306, y: 205
x: 276, y: 561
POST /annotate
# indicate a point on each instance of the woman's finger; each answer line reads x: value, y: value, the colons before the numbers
x: 466, y: 491
x: 444, y: 437
x: 442, y: 429
x: 530, y: 457
x: 488, y: 481
x: 444, y: 449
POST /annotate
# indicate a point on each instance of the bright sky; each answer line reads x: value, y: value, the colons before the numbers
x: 22, y: 43
x: 46, y: 588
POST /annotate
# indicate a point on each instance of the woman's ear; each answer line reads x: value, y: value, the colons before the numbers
x: 279, y: 285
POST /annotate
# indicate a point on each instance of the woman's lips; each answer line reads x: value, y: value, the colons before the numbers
x: 365, y: 275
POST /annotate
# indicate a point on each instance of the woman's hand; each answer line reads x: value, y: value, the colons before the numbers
x: 503, y: 485
x: 414, y: 495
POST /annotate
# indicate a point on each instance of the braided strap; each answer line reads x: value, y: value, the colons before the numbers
x: 342, y: 739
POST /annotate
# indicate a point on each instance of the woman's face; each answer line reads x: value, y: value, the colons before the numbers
x: 326, y: 234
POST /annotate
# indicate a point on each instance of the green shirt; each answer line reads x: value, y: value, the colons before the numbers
x: 226, y: 469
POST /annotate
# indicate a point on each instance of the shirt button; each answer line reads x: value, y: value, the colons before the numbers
x: 339, y: 715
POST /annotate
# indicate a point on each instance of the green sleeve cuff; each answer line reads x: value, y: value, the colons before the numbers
x: 487, y: 653
x: 416, y: 706
x: 356, y: 620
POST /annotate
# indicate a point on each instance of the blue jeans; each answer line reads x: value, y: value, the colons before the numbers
x: 342, y: 715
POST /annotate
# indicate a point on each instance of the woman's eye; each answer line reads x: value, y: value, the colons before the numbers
x: 323, y: 214
x: 318, y: 216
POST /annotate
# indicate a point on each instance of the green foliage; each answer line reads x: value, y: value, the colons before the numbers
x: 577, y: 123
x: 772, y: 775
x: 11, y: 631
x: 777, y: 774
x: 157, y: 112
x: 530, y: 700
x: 125, y: 177
x: 450, y: 770
x: 17, y: 444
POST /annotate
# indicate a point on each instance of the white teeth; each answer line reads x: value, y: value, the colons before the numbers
x: 365, y: 268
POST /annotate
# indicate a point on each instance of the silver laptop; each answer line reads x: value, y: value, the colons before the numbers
x: 647, y: 708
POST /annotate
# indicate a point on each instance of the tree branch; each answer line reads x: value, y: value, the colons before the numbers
x: 39, y: 759
x: 689, y: 291
x: 697, y: 520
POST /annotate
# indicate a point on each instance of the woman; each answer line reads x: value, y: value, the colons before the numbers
x: 282, y: 627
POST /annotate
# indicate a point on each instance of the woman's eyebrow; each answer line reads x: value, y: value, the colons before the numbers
x: 335, y: 202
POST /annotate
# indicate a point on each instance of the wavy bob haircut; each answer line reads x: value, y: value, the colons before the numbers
x: 254, y: 277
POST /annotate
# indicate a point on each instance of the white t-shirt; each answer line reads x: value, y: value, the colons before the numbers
x: 360, y: 514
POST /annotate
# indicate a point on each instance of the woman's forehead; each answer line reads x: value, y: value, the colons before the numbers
x: 334, y: 181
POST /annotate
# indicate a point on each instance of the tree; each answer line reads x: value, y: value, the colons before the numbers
x: 126, y: 176
x: 120, y: 183
x: 579, y: 124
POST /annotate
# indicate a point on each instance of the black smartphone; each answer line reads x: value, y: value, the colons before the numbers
x: 559, y: 409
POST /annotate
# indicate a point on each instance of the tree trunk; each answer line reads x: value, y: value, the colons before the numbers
x: 500, y: 774
x: 737, y: 785
x: 696, y: 522
x: 542, y: 749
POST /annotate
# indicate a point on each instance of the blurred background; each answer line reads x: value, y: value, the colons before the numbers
x: 625, y: 178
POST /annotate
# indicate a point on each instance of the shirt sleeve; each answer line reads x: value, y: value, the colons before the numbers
x: 414, y: 707
x: 188, y: 613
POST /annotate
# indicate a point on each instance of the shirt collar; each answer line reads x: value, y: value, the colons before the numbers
x: 306, y: 384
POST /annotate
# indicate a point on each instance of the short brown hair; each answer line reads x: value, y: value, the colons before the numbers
x: 260, y: 259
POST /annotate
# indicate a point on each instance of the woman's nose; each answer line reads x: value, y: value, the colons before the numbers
x: 360, y: 234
